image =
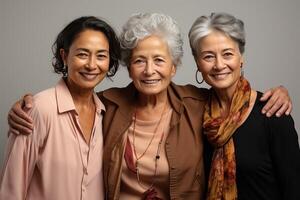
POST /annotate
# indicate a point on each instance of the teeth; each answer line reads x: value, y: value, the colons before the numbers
x: 89, y: 76
x: 150, y: 81
x: 220, y: 76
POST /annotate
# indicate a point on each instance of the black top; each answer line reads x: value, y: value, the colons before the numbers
x: 267, y: 157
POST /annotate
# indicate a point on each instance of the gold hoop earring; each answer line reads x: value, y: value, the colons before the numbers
x: 199, y: 82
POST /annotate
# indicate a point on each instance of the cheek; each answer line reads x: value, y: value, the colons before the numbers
x: 132, y: 74
x: 235, y: 65
x: 104, y: 65
x: 200, y: 64
x: 74, y: 63
x: 204, y: 67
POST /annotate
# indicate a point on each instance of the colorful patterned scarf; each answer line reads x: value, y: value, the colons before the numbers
x: 219, y: 130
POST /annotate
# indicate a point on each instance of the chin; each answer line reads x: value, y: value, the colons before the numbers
x: 150, y: 92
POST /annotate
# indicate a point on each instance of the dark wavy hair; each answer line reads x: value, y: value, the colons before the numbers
x: 66, y: 37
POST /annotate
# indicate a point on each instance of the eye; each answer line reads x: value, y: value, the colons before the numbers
x: 208, y: 57
x: 159, y: 60
x: 101, y: 56
x: 82, y: 55
x: 228, y: 54
x: 138, y: 61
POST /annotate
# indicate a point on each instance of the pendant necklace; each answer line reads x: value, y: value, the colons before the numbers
x: 157, y: 155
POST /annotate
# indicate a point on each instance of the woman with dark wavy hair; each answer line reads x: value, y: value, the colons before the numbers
x: 62, y: 158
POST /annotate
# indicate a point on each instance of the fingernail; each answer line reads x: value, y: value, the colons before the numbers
x: 263, y: 111
x: 277, y: 114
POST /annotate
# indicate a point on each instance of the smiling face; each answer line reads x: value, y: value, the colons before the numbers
x: 151, y: 67
x: 87, y: 60
x: 219, y: 60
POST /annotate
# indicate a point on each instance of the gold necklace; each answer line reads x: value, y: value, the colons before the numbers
x: 157, y: 156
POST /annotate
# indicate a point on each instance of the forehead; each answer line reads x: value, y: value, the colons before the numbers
x: 217, y: 40
x: 90, y: 37
x: 152, y: 44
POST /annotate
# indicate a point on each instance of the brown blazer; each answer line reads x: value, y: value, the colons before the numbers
x: 184, y: 144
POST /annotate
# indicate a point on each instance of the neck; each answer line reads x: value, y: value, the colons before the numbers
x: 81, y: 97
x: 152, y: 101
x: 150, y: 107
x: 225, y: 97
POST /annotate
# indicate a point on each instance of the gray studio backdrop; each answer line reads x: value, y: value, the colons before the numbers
x: 28, y: 28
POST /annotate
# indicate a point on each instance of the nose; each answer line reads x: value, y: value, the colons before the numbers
x: 149, y: 68
x: 92, y: 63
x: 220, y: 64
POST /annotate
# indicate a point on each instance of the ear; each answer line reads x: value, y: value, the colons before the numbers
x: 63, y: 55
x: 173, y: 70
x: 242, y: 61
x: 198, y: 64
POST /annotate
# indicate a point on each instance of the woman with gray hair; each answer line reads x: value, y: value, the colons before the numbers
x: 254, y: 157
x: 153, y: 142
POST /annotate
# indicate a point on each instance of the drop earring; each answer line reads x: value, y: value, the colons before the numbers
x: 199, y: 82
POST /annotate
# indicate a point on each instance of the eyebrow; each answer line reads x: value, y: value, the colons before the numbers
x: 232, y: 49
x: 99, y: 51
x: 144, y: 57
x: 208, y: 51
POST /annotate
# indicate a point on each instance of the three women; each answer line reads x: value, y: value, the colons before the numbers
x: 153, y: 127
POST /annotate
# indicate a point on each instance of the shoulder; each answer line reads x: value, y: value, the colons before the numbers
x: 42, y: 112
x: 278, y: 128
x: 44, y: 104
x: 119, y: 96
x: 282, y: 124
x: 190, y: 91
x: 115, y: 91
x: 273, y: 121
x: 45, y: 95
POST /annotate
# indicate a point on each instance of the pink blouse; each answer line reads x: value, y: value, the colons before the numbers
x: 55, y: 162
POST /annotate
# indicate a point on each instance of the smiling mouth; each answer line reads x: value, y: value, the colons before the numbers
x: 220, y: 76
x: 89, y: 76
x: 150, y: 82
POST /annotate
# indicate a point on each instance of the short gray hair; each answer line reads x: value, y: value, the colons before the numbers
x: 223, y: 22
x: 142, y: 25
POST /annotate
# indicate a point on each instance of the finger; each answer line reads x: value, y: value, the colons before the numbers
x: 274, y: 108
x: 14, y: 120
x: 14, y: 117
x: 21, y: 129
x: 290, y: 108
x: 17, y: 112
x: 282, y: 109
x: 13, y: 131
x: 28, y: 101
x: 269, y: 105
x: 266, y: 95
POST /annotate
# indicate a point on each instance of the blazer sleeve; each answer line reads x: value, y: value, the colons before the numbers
x: 20, y: 160
x: 285, y: 155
